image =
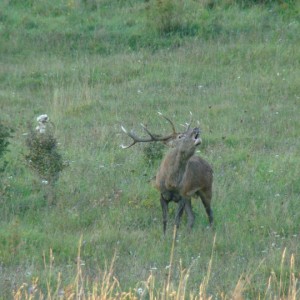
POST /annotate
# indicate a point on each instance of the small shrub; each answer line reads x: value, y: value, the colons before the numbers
x: 5, y: 134
x: 170, y: 16
x: 153, y: 152
x: 43, y: 157
x: 248, y: 3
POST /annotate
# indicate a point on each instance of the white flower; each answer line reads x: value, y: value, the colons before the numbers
x: 140, y: 291
x: 43, y: 118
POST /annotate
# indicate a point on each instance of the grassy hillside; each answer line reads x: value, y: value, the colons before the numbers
x: 94, y: 65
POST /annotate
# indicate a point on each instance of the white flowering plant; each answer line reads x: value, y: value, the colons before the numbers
x: 43, y: 156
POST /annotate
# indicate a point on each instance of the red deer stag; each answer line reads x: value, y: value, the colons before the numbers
x: 182, y: 174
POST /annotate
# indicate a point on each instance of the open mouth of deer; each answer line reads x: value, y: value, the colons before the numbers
x: 197, y: 139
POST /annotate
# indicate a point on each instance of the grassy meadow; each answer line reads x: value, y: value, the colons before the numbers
x: 95, y: 65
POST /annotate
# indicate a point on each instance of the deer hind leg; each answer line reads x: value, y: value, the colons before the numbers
x: 206, y: 199
x: 164, y: 205
x: 189, y: 210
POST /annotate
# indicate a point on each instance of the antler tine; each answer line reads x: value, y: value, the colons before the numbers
x: 172, y: 125
x: 131, y: 134
x: 188, y: 125
x: 147, y: 130
x: 126, y: 147
x: 135, y: 138
x: 124, y: 129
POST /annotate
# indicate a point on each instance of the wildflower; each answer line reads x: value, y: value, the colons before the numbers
x: 42, y: 120
x: 140, y: 291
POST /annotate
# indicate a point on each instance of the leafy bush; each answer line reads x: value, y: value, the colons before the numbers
x: 248, y: 3
x: 5, y: 134
x: 153, y: 152
x: 43, y: 157
x: 170, y: 16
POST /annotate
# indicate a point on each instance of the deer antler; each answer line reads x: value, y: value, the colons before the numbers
x: 188, y: 125
x: 172, y: 125
x: 137, y: 139
x: 153, y: 137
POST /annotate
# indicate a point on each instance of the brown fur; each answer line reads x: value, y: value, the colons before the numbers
x: 183, y: 175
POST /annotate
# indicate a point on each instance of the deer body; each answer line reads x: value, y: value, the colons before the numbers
x: 182, y: 174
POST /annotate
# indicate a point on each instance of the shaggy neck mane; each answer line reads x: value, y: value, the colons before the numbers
x: 178, y: 161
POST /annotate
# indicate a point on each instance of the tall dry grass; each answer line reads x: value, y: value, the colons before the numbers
x: 107, y: 287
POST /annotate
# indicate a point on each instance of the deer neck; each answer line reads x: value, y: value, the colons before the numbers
x: 178, y: 162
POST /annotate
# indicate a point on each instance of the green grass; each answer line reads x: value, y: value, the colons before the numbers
x: 108, y: 63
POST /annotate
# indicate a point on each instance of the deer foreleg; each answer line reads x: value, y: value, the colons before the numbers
x: 189, y: 210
